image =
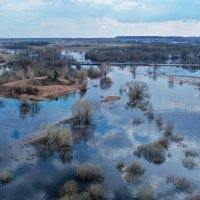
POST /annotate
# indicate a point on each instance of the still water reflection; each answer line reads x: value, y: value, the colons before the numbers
x: 112, y: 138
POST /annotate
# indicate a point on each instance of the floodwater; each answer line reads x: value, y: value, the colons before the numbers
x: 113, y: 139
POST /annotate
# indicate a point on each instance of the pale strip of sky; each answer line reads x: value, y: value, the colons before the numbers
x: 98, y: 18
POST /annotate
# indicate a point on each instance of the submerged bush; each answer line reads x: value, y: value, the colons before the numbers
x: 169, y: 128
x: 82, y: 112
x: 180, y: 183
x: 159, y: 122
x: 189, y: 163
x: 154, y: 152
x: 135, y: 169
x: 120, y: 165
x: 70, y: 188
x: 138, y: 93
x: 165, y: 142
x: 133, y: 172
x: 193, y: 197
x: 96, y: 192
x: 105, y: 83
x: 5, y: 177
x: 59, y: 139
x: 145, y: 193
x: 94, y: 73
x: 149, y: 112
x: 89, y: 172
x: 137, y: 121
x: 191, y: 153
x: 105, y: 69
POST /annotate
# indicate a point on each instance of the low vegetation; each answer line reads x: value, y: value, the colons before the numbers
x: 193, y: 197
x: 69, y: 188
x: 169, y: 127
x: 137, y: 121
x: 133, y: 172
x: 159, y: 122
x: 89, y: 172
x: 94, y: 73
x: 153, y: 152
x: 120, y: 165
x: 105, y: 69
x: 138, y: 93
x: 189, y: 163
x: 105, y: 83
x: 180, y: 183
x: 5, y: 177
x: 96, y: 192
x: 82, y: 112
x: 51, y: 140
x: 191, y: 153
x: 145, y: 193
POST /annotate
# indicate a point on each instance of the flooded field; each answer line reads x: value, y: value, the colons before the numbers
x: 113, y: 137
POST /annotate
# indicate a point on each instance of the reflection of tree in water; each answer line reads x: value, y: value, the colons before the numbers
x: 82, y: 133
x: 105, y: 83
x: 2, y: 104
x: 171, y: 82
x: 133, y: 71
x: 155, y: 68
x: 53, y: 141
x: 82, y: 93
x: 28, y: 108
x: 45, y: 153
x: 66, y: 156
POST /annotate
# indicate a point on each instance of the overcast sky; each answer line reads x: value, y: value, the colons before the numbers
x: 99, y: 18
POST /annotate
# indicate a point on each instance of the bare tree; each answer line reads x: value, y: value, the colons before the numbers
x: 138, y: 93
x: 105, y: 69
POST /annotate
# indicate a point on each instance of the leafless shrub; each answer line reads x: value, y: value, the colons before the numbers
x: 165, y: 142
x: 189, y: 163
x: 145, y: 193
x: 152, y: 152
x: 105, y: 69
x: 5, y: 177
x: 159, y: 122
x: 149, y: 112
x: 89, y: 172
x: 138, y: 93
x: 120, y: 165
x: 133, y: 172
x: 82, y: 112
x: 69, y: 188
x: 191, y: 153
x: 169, y: 128
x: 96, y: 192
x: 177, y: 138
x: 137, y: 121
x: 105, y: 83
x: 180, y: 183
x: 94, y: 73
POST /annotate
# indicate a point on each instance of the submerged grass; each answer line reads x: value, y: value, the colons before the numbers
x: 5, y: 177
x: 153, y: 152
x: 89, y: 172
x: 145, y: 193
x: 180, y: 183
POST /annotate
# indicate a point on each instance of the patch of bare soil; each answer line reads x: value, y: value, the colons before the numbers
x: 39, y: 88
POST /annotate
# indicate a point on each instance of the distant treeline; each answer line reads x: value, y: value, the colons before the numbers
x: 151, y: 53
x: 24, y: 44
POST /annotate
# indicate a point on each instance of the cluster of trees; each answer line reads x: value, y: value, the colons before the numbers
x: 155, y: 53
